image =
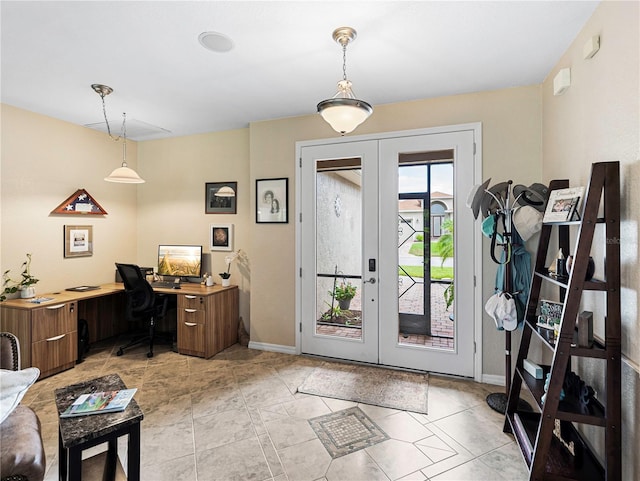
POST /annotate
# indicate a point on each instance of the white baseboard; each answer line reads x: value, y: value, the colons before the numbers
x: 493, y: 379
x: 263, y: 346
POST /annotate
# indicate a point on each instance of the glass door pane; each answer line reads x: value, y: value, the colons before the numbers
x: 425, y: 252
x: 339, y: 248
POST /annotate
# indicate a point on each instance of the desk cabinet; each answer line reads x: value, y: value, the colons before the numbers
x: 48, y: 335
x: 207, y: 324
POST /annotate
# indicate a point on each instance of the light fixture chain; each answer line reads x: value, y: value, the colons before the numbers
x: 124, y: 142
x: 344, y: 61
x: 106, y: 121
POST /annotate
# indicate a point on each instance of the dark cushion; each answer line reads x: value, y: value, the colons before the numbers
x: 21, y: 444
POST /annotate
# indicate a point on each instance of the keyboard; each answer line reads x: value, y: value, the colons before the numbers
x: 165, y: 284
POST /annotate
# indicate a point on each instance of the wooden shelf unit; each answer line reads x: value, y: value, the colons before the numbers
x: 545, y: 454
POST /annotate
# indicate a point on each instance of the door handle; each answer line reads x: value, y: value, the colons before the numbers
x: 371, y: 280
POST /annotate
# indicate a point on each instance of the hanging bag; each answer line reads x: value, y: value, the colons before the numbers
x: 490, y: 230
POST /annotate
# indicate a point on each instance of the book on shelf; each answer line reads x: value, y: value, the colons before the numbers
x: 100, y: 403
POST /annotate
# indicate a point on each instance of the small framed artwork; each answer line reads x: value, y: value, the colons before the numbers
x: 550, y: 314
x: 272, y: 201
x: 220, y: 197
x: 562, y: 204
x: 221, y: 236
x: 78, y: 240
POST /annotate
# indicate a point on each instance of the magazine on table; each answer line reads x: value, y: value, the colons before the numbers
x: 100, y: 403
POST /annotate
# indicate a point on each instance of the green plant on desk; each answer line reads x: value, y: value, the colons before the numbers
x: 12, y: 286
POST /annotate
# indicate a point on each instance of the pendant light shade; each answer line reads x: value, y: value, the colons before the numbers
x: 344, y: 112
x: 122, y: 174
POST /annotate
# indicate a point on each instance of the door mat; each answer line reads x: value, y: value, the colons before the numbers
x: 406, y: 391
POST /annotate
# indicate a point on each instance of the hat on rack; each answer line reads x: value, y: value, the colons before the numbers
x: 535, y: 195
x: 489, y: 203
x: 527, y: 221
x: 474, y: 199
x: 489, y: 228
x: 502, y: 308
x: 507, y: 312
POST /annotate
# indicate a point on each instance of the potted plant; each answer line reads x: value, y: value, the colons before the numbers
x: 226, y: 275
x: 343, y: 293
x: 24, y: 285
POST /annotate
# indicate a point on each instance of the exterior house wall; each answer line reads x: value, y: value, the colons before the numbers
x: 338, y: 232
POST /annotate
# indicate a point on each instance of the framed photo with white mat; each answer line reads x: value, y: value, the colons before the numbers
x: 563, y: 204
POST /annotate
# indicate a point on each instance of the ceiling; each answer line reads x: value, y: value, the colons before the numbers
x: 284, y: 60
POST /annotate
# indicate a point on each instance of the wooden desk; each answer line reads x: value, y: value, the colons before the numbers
x: 48, y: 332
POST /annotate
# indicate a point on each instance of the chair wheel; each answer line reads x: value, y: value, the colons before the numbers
x: 149, y: 354
x: 120, y: 352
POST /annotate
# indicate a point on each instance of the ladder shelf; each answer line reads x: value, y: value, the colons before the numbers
x: 550, y: 438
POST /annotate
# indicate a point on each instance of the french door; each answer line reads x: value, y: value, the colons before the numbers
x: 339, y: 208
x: 366, y: 224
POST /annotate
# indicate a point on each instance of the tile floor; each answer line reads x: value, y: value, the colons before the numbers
x: 237, y: 416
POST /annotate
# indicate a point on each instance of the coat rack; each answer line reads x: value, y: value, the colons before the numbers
x: 504, y: 278
x: 498, y: 401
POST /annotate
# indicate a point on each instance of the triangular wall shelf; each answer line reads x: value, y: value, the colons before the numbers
x: 80, y: 202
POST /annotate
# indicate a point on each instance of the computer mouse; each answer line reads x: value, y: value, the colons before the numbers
x: 177, y: 287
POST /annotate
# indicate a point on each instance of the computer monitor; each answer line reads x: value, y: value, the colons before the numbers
x: 180, y: 260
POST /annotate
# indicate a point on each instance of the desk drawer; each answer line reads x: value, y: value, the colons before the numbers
x: 53, y: 320
x: 188, y: 301
x: 191, y: 315
x: 55, y: 354
x: 191, y: 337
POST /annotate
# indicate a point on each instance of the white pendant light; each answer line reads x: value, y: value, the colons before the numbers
x: 122, y: 174
x: 344, y: 112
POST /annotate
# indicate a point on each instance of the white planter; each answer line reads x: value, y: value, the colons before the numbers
x: 28, y: 292
x: 226, y: 282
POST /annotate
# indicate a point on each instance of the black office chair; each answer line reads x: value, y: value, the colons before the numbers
x: 142, y: 304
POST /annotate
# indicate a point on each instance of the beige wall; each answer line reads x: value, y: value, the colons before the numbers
x: 44, y: 161
x: 598, y: 119
x: 511, y: 126
x: 171, y: 204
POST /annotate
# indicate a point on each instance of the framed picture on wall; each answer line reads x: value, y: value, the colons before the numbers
x: 78, y: 240
x: 221, y: 237
x: 220, y: 197
x: 272, y: 201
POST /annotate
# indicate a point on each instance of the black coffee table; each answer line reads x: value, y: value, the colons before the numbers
x: 83, y: 432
